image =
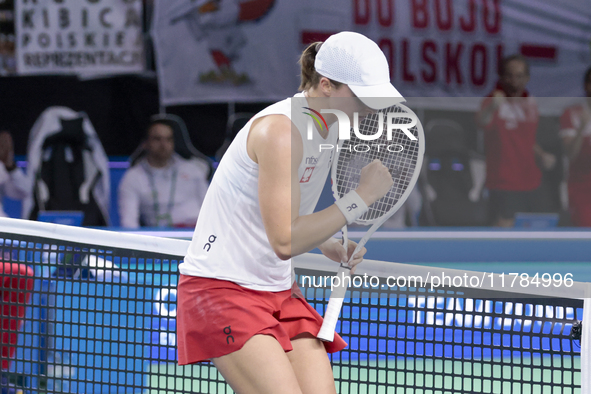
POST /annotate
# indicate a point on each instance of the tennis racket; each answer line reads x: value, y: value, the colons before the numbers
x: 402, y: 155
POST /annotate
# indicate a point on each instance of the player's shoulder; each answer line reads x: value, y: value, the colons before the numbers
x: 283, y: 107
x: 269, y: 136
x: 272, y: 126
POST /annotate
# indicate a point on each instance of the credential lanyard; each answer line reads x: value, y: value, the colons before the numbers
x: 168, y: 215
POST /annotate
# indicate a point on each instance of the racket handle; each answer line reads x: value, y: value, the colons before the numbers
x: 333, y: 310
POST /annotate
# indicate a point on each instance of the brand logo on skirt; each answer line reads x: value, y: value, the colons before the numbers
x: 228, y: 331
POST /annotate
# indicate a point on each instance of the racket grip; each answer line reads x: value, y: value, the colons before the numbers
x: 333, y: 309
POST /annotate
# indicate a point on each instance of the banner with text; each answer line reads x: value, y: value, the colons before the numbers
x: 247, y: 50
x: 85, y: 37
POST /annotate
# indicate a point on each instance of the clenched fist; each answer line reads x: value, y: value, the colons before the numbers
x: 375, y: 182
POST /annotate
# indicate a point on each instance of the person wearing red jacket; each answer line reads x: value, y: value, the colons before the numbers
x: 575, y: 132
x: 509, y: 117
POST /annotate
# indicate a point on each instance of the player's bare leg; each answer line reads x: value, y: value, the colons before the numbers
x: 260, y: 367
x: 311, y: 365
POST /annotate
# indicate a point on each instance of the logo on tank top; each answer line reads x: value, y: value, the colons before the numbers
x: 210, y: 240
x: 307, y: 174
x: 311, y: 160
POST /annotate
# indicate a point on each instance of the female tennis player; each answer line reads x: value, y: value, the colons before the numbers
x: 235, y: 303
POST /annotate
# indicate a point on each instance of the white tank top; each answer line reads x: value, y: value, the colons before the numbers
x: 230, y: 242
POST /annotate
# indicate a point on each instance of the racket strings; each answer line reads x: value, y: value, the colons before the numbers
x: 399, y: 154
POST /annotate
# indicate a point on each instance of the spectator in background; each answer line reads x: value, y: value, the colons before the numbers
x: 7, y: 56
x: 575, y: 132
x: 509, y: 117
x: 162, y: 189
x: 13, y: 182
x: 408, y: 212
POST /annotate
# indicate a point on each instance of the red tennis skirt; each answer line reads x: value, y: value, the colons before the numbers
x: 216, y: 317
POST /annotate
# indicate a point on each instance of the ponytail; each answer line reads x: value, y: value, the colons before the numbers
x: 309, y: 77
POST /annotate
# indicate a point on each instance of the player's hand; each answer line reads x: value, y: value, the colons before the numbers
x: 334, y: 250
x: 375, y: 182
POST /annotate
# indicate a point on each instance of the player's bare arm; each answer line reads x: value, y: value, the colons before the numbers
x: 277, y: 148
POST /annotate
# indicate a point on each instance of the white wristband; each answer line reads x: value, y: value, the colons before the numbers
x: 352, y: 206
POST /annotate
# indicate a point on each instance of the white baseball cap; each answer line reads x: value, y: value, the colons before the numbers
x: 355, y: 60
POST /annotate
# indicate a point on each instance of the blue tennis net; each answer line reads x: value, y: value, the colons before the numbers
x: 452, y: 339
x: 89, y: 311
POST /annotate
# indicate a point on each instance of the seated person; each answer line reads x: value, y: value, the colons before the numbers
x: 13, y: 182
x: 162, y: 189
